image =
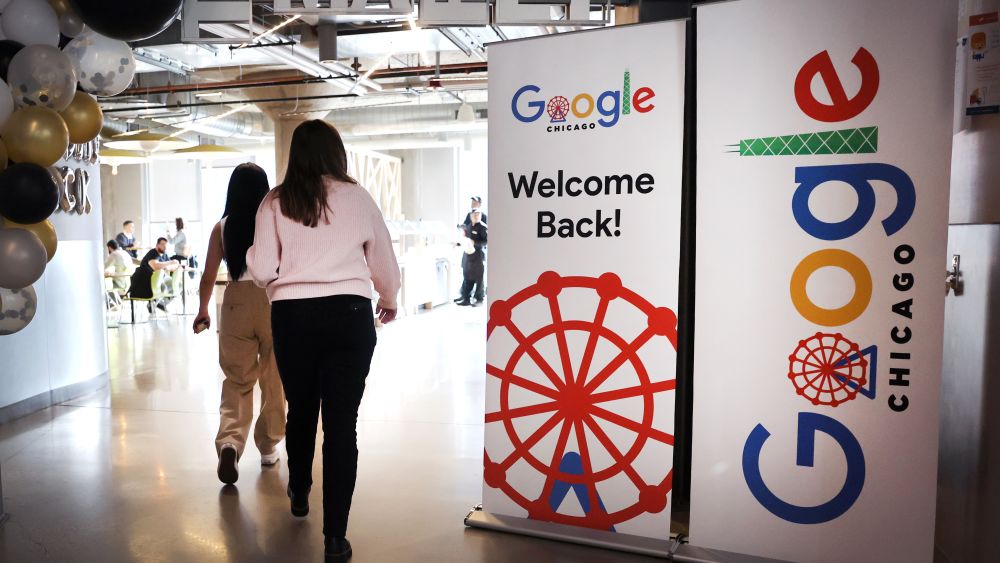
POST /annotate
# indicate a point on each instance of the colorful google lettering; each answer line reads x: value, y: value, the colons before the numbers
x: 857, y: 177
x: 610, y: 104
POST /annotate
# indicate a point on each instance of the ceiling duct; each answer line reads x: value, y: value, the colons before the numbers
x: 408, y: 119
x: 327, y: 42
x: 207, y: 121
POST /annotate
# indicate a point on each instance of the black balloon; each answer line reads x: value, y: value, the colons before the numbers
x: 8, y: 49
x: 27, y: 193
x: 128, y: 20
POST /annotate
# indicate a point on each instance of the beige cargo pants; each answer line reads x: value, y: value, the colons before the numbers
x: 246, y: 356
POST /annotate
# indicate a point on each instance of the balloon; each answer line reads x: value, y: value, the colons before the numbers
x: 128, y: 20
x: 104, y: 66
x: 17, y: 308
x: 31, y: 22
x: 8, y: 49
x: 27, y: 194
x: 42, y: 75
x: 83, y: 118
x: 70, y: 24
x: 22, y: 258
x: 45, y: 231
x: 60, y: 6
x: 6, y: 104
x: 37, y: 135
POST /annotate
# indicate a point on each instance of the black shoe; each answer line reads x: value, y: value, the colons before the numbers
x: 463, y: 303
x: 161, y: 307
x: 337, y: 550
x: 300, y: 503
x: 459, y: 300
x: 228, y: 470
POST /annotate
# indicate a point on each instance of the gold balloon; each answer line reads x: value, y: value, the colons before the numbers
x: 83, y: 118
x: 3, y: 156
x: 60, y: 6
x: 37, y: 135
x: 45, y: 231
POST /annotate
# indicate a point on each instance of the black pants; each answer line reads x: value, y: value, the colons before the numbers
x: 323, y: 347
x: 472, y: 289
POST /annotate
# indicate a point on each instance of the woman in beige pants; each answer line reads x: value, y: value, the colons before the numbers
x: 245, y: 346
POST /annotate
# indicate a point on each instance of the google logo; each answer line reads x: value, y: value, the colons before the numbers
x: 528, y: 107
x: 859, y: 178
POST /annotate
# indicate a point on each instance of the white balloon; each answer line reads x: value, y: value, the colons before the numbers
x: 17, y: 308
x: 6, y: 104
x: 31, y: 22
x: 104, y: 66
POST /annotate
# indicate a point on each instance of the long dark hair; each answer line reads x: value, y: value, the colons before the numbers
x: 247, y: 188
x: 317, y: 151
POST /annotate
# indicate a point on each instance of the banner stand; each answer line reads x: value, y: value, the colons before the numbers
x: 666, y: 549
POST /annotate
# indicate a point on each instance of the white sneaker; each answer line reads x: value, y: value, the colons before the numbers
x: 271, y: 458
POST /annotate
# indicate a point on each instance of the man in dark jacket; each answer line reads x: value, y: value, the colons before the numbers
x: 474, y: 263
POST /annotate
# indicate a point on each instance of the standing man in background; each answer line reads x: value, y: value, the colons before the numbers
x: 126, y: 239
x: 474, y: 262
x: 477, y: 203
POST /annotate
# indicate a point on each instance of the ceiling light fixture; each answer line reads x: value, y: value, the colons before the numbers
x: 148, y: 142
x: 116, y: 157
x: 200, y: 152
x: 271, y: 31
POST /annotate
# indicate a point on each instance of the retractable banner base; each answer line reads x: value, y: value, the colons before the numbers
x: 667, y: 549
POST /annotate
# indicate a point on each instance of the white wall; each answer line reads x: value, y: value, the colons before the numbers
x: 66, y: 343
x: 430, y: 184
x: 123, y: 195
x: 472, y: 172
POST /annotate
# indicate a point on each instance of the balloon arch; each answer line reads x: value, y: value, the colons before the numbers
x: 55, y: 57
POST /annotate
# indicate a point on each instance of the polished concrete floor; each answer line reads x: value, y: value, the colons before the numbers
x: 128, y: 473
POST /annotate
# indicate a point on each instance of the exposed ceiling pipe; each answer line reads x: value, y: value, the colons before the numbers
x: 447, y: 69
x: 331, y: 67
x: 330, y: 73
x: 243, y: 124
x: 286, y: 55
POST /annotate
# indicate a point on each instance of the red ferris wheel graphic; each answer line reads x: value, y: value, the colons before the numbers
x: 558, y: 109
x: 573, y: 405
x: 828, y: 369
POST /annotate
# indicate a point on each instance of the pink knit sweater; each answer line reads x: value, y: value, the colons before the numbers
x: 341, y: 256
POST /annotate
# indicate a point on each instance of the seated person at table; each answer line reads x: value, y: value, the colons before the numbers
x: 126, y: 239
x: 119, y: 264
x: 142, y: 280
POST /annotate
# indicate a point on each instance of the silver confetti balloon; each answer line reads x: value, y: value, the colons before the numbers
x: 104, y: 66
x: 17, y: 309
x: 42, y: 75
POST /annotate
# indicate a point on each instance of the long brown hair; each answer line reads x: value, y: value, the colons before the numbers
x: 316, y: 151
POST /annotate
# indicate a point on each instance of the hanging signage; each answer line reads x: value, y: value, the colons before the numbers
x: 584, y: 182
x: 431, y: 13
x: 823, y: 173
x: 983, y: 65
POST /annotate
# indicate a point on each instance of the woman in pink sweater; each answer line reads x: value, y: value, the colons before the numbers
x: 320, y: 242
